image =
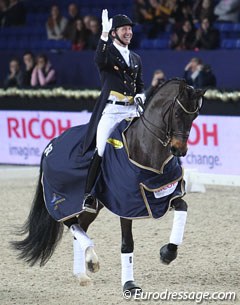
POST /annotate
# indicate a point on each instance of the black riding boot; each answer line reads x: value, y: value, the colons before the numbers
x: 89, y: 202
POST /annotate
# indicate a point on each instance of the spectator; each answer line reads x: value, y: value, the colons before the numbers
x: 56, y: 24
x: 28, y: 60
x: 154, y: 15
x: 181, y: 12
x: 3, y: 8
x: 79, y: 36
x: 227, y: 11
x: 73, y: 15
x: 43, y: 74
x: 160, y: 12
x: 87, y: 19
x: 203, y: 9
x: 15, y: 76
x: 15, y: 15
x: 158, y: 79
x: 94, y: 35
x: 207, y: 37
x: 209, y: 79
x: 198, y: 75
x: 183, y: 38
x: 142, y: 12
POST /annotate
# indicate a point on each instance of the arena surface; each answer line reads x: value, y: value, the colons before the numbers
x: 208, y: 260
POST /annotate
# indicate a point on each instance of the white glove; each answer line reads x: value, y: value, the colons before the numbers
x: 142, y: 96
x: 106, y: 23
x: 139, y: 100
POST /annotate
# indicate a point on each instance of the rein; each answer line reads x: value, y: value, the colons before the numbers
x: 168, y: 133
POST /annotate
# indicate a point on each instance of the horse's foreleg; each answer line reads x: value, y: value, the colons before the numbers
x: 83, y: 248
x: 81, y: 243
x: 79, y: 266
x: 127, y: 248
x: 169, y: 252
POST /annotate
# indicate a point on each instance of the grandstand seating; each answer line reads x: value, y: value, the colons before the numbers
x: 154, y: 43
x: 230, y: 44
x: 33, y: 34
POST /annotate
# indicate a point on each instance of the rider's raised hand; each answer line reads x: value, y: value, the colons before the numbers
x: 106, y: 23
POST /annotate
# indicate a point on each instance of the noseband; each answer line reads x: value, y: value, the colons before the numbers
x: 167, y: 135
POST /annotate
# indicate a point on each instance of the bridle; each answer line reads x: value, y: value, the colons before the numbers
x: 168, y: 133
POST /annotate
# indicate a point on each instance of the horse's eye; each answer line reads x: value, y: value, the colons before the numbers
x: 177, y: 114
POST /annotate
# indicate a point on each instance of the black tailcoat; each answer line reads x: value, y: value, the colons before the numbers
x: 115, y: 75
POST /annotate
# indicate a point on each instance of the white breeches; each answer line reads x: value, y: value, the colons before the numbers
x: 112, y: 115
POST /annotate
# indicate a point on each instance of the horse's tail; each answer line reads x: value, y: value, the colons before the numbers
x: 43, y: 232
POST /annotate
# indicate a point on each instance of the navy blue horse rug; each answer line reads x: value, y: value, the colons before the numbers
x: 126, y: 189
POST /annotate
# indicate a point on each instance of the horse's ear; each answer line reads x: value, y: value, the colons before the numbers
x: 201, y: 92
x: 182, y: 86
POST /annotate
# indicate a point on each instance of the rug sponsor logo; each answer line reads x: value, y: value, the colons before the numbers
x: 166, y: 190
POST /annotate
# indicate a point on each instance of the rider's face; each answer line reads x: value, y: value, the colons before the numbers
x: 125, y: 34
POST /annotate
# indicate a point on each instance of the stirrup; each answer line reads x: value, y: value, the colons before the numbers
x: 90, y: 204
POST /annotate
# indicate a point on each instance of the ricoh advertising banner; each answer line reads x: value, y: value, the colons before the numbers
x: 213, y: 145
x: 25, y: 134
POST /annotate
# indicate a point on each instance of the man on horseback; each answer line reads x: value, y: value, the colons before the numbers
x: 122, y: 86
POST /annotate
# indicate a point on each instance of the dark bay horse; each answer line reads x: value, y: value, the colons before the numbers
x: 141, y: 177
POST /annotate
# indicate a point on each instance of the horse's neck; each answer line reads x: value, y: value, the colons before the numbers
x: 144, y: 148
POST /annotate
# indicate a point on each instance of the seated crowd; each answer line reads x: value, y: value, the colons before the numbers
x: 83, y: 32
x: 189, y: 25
x: 37, y: 73
x: 192, y: 23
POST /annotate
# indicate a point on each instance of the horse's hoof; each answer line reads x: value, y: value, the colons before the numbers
x: 92, y: 262
x: 130, y: 288
x: 84, y: 279
x: 167, y: 256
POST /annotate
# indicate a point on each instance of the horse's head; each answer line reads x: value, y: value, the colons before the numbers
x: 170, y: 113
x: 185, y: 109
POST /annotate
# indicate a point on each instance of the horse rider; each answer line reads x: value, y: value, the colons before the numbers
x: 121, y: 77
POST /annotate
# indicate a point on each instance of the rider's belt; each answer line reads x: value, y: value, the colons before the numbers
x: 117, y: 96
x: 119, y: 103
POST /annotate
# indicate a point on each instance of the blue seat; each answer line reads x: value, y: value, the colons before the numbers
x: 63, y: 45
x: 230, y: 43
x: 236, y: 27
x: 237, y: 44
x: 23, y: 44
x: 146, y: 44
x: 36, y: 44
x: 169, y: 28
x: 161, y: 43
x: 154, y: 44
x: 49, y: 44
x: 224, y: 27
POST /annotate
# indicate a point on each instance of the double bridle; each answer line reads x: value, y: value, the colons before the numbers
x: 167, y: 135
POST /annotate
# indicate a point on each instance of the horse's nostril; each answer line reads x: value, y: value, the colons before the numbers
x: 183, y: 154
x: 177, y: 153
x: 173, y: 150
